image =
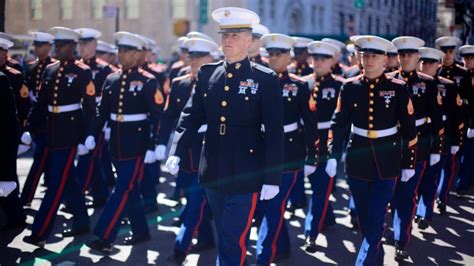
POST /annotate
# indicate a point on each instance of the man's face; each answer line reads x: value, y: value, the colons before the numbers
x: 469, y: 61
x: 301, y: 55
x: 255, y: 46
x: 235, y: 44
x: 64, y: 50
x: 321, y: 65
x: 392, y: 61
x: 372, y: 62
x: 196, y: 62
x: 3, y: 56
x: 408, y: 61
x: 142, y: 57
x: 449, y: 55
x: 428, y: 67
x: 279, y: 60
x: 128, y: 57
x: 87, y: 48
x: 42, y: 50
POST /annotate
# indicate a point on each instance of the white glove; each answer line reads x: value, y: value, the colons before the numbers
x: 149, y: 157
x: 22, y: 148
x: 454, y: 149
x: 407, y: 174
x: 470, y: 133
x: 172, y: 164
x: 160, y: 152
x: 309, y: 169
x: 107, y: 131
x: 26, y: 138
x: 90, y: 142
x: 6, y: 187
x: 82, y: 150
x: 434, y: 158
x: 331, y: 167
x: 269, y: 192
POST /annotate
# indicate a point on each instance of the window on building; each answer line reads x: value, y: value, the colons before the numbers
x: 36, y: 9
x: 66, y: 9
x: 377, y: 25
x: 313, y: 16
x: 387, y: 29
x: 272, y: 9
x: 260, y: 7
x: 132, y: 9
x: 369, y: 25
x: 97, y: 7
x: 342, y: 23
x: 321, y: 18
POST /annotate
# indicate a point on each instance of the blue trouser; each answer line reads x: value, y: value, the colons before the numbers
x: 62, y: 185
x: 106, y: 162
x: 198, y: 213
x: 320, y: 206
x: 427, y: 189
x: 90, y: 175
x: 125, y: 198
x: 298, y: 197
x: 447, y: 178
x: 371, y: 199
x: 273, y: 236
x: 233, y: 215
x: 39, y: 166
x: 148, y: 185
x: 404, y: 203
x: 466, y: 169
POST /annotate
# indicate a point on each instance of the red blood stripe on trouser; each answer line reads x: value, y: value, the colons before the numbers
x: 282, y: 213
x: 201, y: 215
x: 59, y: 193
x: 408, y: 232
x: 243, y: 236
x: 326, y: 203
x: 124, y: 200
x: 90, y: 171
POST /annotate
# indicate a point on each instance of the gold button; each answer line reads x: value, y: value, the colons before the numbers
x: 371, y: 102
x: 246, y: 98
x: 120, y: 103
x: 205, y: 95
x: 371, y: 94
x: 371, y: 118
x: 412, y: 158
x: 371, y: 110
x: 412, y: 151
x: 61, y: 69
x: 72, y: 118
x: 37, y: 76
x: 57, y: 81
x: 178, y: 100
x: 371, y: 86
x: 55, y: 102
x: 355, y: 104
x: 222, y: 119
x: 120, y: 110
x: 289, y: 99
x: 226, y: 88
x: 251, y: 150
x: 411, y: 165
x: 124, y: 76
x: 122, y: 90
x: 290, y: 140
x: 121, y: 97
x: 223, y: 103
x: 371, y: 126
x: 55, y: 95
x: 123, y: 83
x: 229, y: 75
x: 139, y: 129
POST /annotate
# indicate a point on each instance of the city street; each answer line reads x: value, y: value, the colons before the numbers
x: 449, y: 241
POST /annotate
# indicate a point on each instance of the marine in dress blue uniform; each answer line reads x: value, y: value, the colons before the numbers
x: 452, y: 122
x: 89, y: 166
x: 428, y: 113
x: 460, y: 77
x: 234, y: 98
x: 196, y: 214
x: 373, y: 105
x: 42, y: 42
x: 67, y: 94
x: 132, y: 103
x: 325, y: 89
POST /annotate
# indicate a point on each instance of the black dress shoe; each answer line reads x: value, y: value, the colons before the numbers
x: 199, y: 247
x: 417, y: 219
x: 76, y: 231
x: 311, y: 246
x: 442, y: 208
x: 423, y: 224
x: 132, y: 240
x: 101, y: 245
x: 177, y: 223
x: 177, y: 258
x: 34, y: 240
x: 96, y: 203
x: 125, y: 221
x: 400, y: 252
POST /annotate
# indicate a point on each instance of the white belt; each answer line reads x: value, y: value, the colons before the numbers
x: 202, y: 129
x: 324, y: 125
x: 445, y: 118
x: 64, y: 108
x: 422, y: 121
x: 286, y: 128
x: 98, y: 99
x: 128, y: 118
x: 374, y: 134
